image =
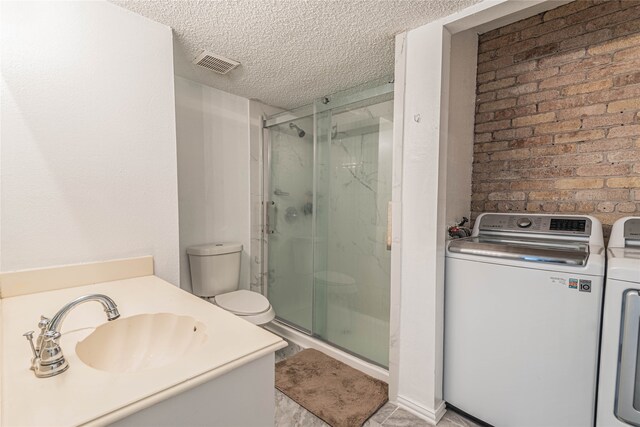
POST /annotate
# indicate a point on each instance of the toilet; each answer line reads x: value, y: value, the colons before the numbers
x: 215, y: 275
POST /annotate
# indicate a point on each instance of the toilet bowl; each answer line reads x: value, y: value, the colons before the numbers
x: 251, y: 306
x: 215, y: 276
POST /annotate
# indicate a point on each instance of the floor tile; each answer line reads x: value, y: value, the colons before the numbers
x: 402, y: 418
x: 453, y: 419
x: 383, y: 413
x: 290, y: 414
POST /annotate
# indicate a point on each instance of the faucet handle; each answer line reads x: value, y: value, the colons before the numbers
x: 43, y: 323
x: 29, y: 336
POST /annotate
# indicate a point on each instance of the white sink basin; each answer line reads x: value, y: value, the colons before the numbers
x: 141, y: 342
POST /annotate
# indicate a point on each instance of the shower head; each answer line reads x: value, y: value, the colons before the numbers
x: 301, y: 133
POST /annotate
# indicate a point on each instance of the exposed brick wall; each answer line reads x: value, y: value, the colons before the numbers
x: 558, y: 113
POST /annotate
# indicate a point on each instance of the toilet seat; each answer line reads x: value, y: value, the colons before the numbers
x: 249, y: 305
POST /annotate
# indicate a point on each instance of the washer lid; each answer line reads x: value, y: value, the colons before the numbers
x: 624, y: 264
x: 243, y: 302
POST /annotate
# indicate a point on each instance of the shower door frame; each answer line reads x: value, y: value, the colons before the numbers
x: 319, y: 106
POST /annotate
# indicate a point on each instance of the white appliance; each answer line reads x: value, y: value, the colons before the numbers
x: 619, y: 383
x: 523, y: 297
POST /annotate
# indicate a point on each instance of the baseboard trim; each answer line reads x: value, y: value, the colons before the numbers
x: 420, y: 411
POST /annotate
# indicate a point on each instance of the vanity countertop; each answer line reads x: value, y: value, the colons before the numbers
x: 86, y: 396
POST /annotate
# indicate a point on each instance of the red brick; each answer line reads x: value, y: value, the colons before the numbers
x: 613, y: 19
x: 538, y: 96
x: 485, y: 97
x: 622, y: 131
x: 578, y: 136
x: 515, y: 112
x: 587, y: 39
x: 562, y: 58
x: 497, y: 84
x: 624, y: 105
x: 497, y: 105
x: 484, y: 117
x: 538, y: 75
x: 624, y: 156
x: 482, y: 137
x: 498, y: 42
x: 605, y: 145
x: 495, y: 64
x: 602, y: 194
x: 615, y: 45
x: 531, y: 185
x: 511, y: 154
x: 520, y: 25
x: 589, y: 110
x: 591, y: 86
x: 627, y: 79
x: 491, y: 126
x: 555, y: 172
x: 531, y: 141
x: 566, y: 9
x: 579, y: 183
x: 626, y: 207
x: 607, y: 120
x: 555, y: 127
x: 604, y: 8
x: 551, y: 195
x: 515, y: 70
x: 534, y: 119
x: 486, y: 77
x: 577, y: 159
x: 624, y: 182
x: 563, y: 80
x: 627, y: 28
x: 602, y: 170
x: 514, y: 48
x: 507, y: 195
x: 614, y: 69
x: 520, y: 89
x: 537, y: 52
x: 559, y: 104
x: 543, y: 28
x: 553, y: 150
x: 491, y: 146
x: 586, y: 64
x: 489, y: 35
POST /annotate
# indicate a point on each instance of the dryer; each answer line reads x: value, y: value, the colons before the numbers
x: 523, y: 298
x: 619, y: 382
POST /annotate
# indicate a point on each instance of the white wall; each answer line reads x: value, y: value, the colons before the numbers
x: 88, y: 157
x: 213, y: 171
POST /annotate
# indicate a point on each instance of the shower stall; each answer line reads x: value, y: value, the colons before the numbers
x: 327, y: 236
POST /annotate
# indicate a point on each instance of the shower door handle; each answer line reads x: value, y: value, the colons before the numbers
x: 389, y: 225
x: 270, y: 217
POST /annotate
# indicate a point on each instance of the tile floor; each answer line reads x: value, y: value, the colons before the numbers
x: 290, y: 414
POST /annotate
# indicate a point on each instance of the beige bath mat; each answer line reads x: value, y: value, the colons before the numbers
x: 334, y: 392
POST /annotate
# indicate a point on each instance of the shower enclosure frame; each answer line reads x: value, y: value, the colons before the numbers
x: 290, y: 331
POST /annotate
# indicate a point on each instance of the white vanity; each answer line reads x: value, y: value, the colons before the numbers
x: 170, y: 359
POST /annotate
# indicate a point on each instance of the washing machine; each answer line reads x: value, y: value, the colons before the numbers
x: 523, y: 298
x: 619, y: 383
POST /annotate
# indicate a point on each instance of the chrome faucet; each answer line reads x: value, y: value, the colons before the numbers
x: 48, y: 359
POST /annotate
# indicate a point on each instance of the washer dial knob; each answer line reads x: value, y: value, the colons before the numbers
x: 523, y: 222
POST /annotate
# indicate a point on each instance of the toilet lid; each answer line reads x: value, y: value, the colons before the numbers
x: 243, y: 302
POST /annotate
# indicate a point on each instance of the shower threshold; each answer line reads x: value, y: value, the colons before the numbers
x: 306, y: 341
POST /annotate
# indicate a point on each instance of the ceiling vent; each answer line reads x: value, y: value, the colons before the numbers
x: 216, y: 63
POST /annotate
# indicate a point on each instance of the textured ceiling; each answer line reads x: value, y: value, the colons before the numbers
x: 291, y: 51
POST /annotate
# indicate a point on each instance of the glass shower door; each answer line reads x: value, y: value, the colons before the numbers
x: 327, y: 190
x: 289, y: 227
x: 352, y: 261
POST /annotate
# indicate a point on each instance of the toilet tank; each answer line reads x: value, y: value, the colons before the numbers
x: 215, y: 268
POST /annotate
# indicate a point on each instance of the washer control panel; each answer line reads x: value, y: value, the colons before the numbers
x: 547, y: 224
x: 632, y: 229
